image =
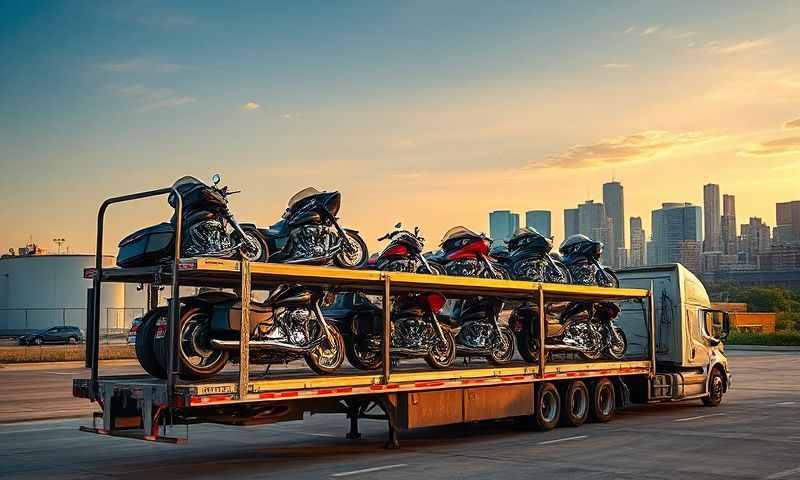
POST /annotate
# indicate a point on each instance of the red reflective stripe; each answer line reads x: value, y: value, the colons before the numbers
x: 428, y: 384
x: 289, y: 394
x: 344, y: 390
x: 549, y: 375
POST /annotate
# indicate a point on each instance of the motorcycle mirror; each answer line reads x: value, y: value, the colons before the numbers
x: 416, y: 231
x: 398, y: 225
x: 216, y: 178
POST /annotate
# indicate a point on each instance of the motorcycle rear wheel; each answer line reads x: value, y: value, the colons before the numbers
x: 197, y: 360
x: 443, y: 353
x: 362, y: 359
x: 528, y: 345
x: 144, y: 343
x: 327, y: 358
x: 356, y: 258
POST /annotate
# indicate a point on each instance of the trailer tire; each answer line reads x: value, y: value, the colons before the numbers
x: 716, y: 388
x: 603, y: 401
x: 547, y: 407
x: 575, y: 404
x: 145, y: 336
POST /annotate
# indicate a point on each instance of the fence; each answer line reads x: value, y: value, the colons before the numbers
x: 114, y: 322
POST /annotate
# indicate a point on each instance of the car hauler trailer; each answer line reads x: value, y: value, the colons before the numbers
x: 567, y: 390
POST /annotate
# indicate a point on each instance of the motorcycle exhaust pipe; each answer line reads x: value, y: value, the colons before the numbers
x: 564, y: 347
x: 465, y: 350
x: 409, y: 351
x: 268, y: 345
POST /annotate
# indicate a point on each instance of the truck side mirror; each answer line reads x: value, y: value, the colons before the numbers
x: 726, y: 326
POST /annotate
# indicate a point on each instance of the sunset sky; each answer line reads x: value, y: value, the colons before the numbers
x: 432, y: 113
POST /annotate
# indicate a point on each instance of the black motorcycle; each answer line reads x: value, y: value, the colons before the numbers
x: 530, y: 258
x: 287, y: 326
x: 584, y: 328
x: 309, y: 233
x: 415, y: 330
x: 582, y: 255
x: 204, y: 232
x: 404, y: 253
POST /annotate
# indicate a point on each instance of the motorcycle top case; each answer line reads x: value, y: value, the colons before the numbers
x: 147, y: 246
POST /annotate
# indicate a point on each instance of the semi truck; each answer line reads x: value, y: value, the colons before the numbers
x: 675, y: 352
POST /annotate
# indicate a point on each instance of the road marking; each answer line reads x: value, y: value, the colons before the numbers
x: 783, y: 474
x: 782, y: 404
x: 63, y: 373
x: 40, y: 422
x: 32, y: 430
x: 567, y: 439
x: 369, y: 470
x: 698, y: 417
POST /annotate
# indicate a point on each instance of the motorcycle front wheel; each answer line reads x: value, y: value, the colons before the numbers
x: 361, y: 357
x: 617, y: 344
x: 356, y: 255
x: 327, y: 358
x: 613, y: 281
x: 443, y: 353
x: 254, y: 247
x: 503, y: 351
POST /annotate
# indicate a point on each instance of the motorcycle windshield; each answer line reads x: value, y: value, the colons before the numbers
x: 302, y: 195
x: 458, y: 232
x: 186, y: 181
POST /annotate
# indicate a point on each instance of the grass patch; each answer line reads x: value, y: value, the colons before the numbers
x: 780, y: 339
x: 61, y: 353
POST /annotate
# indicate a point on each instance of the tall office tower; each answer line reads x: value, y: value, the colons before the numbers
x: 755, y: 239
x: 593, y: 222
x: 571, y: 222
x: 538, y: 220
x: 727, y: 226
x: 503, y: 224
x: 614, y: 201
x: 787, y: 215
x: 712, y: 217
x: 673, y: 224
x: 637, y: 255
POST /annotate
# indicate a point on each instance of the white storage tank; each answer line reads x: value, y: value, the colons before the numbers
x: 41, y: 291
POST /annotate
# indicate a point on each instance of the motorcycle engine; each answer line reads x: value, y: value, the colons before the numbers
x: 583, y: 274
x: 476, y: 335
x: 410, y: 332
x: 290, y: 325
x: 311, y: 242
x: 532, y: 269
x: 207, y: 238
x: 582, y: 334
x: 405, y: 265
x: 464, y: 268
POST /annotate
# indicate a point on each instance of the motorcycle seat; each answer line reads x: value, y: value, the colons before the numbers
x: 276, y: 230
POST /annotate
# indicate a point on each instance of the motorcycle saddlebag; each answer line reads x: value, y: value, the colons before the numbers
x: 227, y: 316
x: 147, y: 246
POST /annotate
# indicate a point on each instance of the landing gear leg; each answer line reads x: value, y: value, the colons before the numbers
x: 353, y: 412
x: 392, y: 442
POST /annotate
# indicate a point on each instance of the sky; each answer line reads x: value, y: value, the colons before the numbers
x: 433, y: 113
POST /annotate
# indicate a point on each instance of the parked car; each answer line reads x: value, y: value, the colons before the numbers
x: 53, y: 335
x: 135, y: 324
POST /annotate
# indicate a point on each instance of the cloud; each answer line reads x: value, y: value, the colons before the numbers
x: 780, y: 146
x: 792, y: 124
x: 287, y: 116
x: 740, y: 47
x: 649, y: 30
x: 167, y: 22
x: 140, y: 65
x: 168, y: 102
x: 616, y: 66
x: 147, y: 98
x: 251, y: 106
x: 672, y: 35
x: 621, y: 150
x: 630, y: 30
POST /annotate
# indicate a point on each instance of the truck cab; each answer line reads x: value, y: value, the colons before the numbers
x: 689, y: 334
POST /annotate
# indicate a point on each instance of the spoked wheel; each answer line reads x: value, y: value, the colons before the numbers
x: 617, y: 344
x: 355, y: 252
x: 197, y: 359
x: 528, y: 345
x: 443, y: 353
x: 327, y: 358
x: 254, y: 247
x: 504, y: 349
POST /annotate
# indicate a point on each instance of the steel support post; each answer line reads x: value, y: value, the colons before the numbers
x: 651, y: 308
x: 387, y: 329
x: 244, y: 332
x: 542, y: 332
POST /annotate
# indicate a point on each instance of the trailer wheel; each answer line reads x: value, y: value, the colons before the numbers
x: 575, y: 404
x: 547, y: 408
x: 603, y: 401
x: 144, y: 343
x: 716, y: 388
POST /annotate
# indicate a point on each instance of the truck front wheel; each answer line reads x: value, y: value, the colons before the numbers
x: 716, y: 388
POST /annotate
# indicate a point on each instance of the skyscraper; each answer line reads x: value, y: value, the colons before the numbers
x: 539, y: 220
x: 614, y: 201
x: 788, y: 222
x: 727, y: 227
x: 675, y: 224
x: 637, y: 255
x: 712, y: 217
x: 755, y: 239
x: 503, y: 224
x: 571, y: 222
x: 593, y: 222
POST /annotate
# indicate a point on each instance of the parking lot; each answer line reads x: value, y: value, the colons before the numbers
x: 754, y: 434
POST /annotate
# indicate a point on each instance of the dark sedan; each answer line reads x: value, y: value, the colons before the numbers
x: 53, y: 335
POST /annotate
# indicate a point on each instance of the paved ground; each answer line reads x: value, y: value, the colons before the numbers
x: 754, y: 434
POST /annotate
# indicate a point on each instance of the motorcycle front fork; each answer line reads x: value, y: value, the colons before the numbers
x: 323, y: 324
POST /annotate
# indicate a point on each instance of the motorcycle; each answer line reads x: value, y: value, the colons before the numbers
x: 582, y: 255
x: 204, y: 231
x: 309, y: 233
x: 530, y: 258
x: 415, y: 329
x: 584, y: 328
x: 404, y: 253
x: 475, y: 321
x: 287, y: 325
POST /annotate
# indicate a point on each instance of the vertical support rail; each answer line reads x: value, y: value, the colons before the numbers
x: 175, y: 303
x: 542, y: 332
x: 387, y: 329
x: 94, y: 349
x: 244, y: 332
x: 651, y: 307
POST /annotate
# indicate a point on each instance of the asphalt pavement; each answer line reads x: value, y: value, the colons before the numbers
x: 755, y: 433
